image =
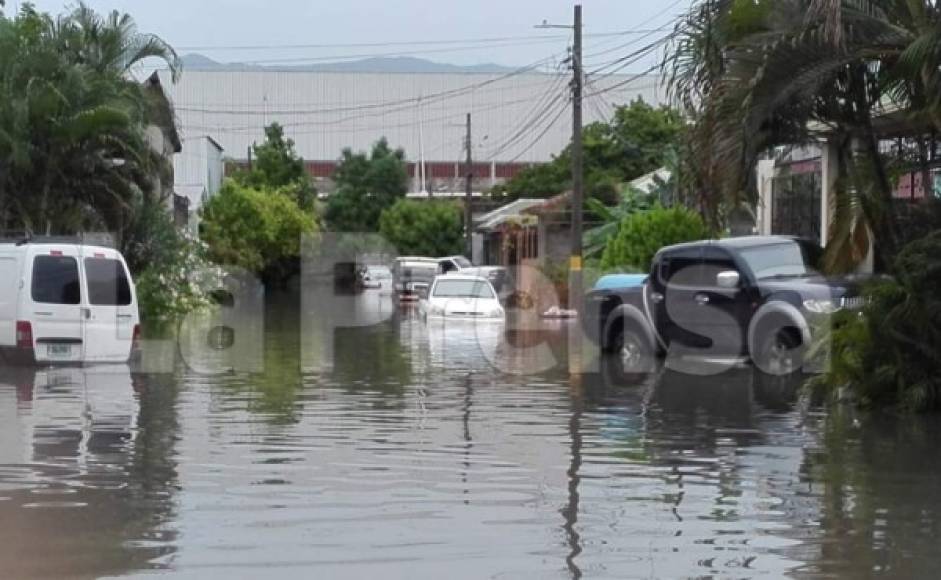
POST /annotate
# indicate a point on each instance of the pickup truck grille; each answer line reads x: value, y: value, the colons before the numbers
x: 853, y: 302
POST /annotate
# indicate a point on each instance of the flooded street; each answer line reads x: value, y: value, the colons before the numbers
x: 412, y: 457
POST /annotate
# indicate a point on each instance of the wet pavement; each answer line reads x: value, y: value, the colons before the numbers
x: 412, y: 456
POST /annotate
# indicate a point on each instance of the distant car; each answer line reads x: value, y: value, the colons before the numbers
x: 457, y: 296
x: 377, y: 277
x: 497, y: 275
x: 411, y: 276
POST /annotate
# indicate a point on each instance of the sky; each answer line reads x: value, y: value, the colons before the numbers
x: 213, y: 27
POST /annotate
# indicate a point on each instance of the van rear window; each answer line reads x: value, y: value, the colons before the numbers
x: 107, y: 282
x: 55, y: 280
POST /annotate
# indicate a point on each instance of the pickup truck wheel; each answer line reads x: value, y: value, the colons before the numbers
x: 632, y: 351
x: 780, y: 353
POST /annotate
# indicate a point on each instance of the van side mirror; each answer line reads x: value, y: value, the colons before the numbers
x: 728, y: 279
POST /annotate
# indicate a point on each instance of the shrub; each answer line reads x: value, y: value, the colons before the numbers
x: 642, y: 234
x: 428, y: 228
x: 891, y: 356
x: 257, y: 230
x: 171, y: 272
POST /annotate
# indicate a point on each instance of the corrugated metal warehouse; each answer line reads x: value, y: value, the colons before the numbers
x: 519, y: 118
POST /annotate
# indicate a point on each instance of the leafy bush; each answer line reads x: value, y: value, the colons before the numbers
x: 172, y: 275
x: 254, y: 229
x: 892, y: 354
x: 642, y: 234
x: 423, y: 228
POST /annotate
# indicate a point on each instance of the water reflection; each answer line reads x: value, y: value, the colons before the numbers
x: 412, y: 455
x: 86, y: 472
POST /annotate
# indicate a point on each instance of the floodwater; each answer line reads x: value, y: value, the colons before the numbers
x: 412, y: 456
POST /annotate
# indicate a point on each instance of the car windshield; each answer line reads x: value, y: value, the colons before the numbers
x: 789, y: 259
x: 463, y: 262
x: 463, y: 289
x: 418, y: 270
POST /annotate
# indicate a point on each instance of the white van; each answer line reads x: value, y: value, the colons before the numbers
x: 66, y: 303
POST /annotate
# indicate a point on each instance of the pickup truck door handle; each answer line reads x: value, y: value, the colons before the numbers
x: 86, y: 313
x: 701, y: 299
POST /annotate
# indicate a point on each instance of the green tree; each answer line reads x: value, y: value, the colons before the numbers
x: 642, y: 234
x: 423, y: 228
x: 365, y: 187
x: 73, y: 152
x: 258, y: 230
x: 278, y: 166
x: 635, y: 143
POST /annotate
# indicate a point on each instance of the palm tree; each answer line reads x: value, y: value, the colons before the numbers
x: 69, y: 108
x: 762, y: 73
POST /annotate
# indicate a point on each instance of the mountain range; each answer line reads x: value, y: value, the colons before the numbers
x: 401, y: 64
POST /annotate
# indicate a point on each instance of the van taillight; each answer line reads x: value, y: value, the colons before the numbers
x: 24, y: 334
x: 135, y: 340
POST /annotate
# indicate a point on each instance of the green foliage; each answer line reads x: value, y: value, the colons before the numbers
x: 631, y: 202
x: 277, y: 166
x: 892, y: 354
x: 68, y: 109
x: 633, y: 144
x: 172, y: 275
x: 365, y: 187
x: 642, y: 234
x: 423, y: 228
x: 258, y: 230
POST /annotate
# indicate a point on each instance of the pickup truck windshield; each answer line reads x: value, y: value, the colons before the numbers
x: 462, y: 289
x: 779, y: 260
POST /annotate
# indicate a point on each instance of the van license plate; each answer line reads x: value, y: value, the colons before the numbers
x: 59, y: 351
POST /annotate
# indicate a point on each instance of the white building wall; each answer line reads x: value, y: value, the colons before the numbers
x: 326, y: 112
x: 198, y: 170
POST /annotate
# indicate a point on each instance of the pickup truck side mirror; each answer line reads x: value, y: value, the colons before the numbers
x: 728, y: 279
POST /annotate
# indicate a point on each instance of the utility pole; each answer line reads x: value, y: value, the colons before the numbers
x: 578, y: 183
x: 469, y: 194
x: 575, y: 261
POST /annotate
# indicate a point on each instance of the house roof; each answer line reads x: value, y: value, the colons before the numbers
x: 553, y: 204
x: 505, y: 213
x: 163, y: 113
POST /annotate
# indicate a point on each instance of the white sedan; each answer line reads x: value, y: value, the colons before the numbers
x: 460, y: 296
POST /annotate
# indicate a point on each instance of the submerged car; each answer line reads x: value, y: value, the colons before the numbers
x: 377, y: 276
x: 458, y: 296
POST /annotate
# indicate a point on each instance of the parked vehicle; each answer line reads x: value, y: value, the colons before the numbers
x: 458, y: 296
x: 66, y: 303
x: 497, y: 275
x: 377, y: 276
x: 759, y: 297
x: 413, y: 275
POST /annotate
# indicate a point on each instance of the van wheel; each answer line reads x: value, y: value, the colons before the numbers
x: 631, y: 350
x: 781, y: 353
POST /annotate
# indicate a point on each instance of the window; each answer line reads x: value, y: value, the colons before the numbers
x: 55, y: 280
x: 107, y: 282
x: 447, y: 266
x: 785, y: 260
x: 463, y: 289
x: 463, y: 262
x: 681, y: 270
